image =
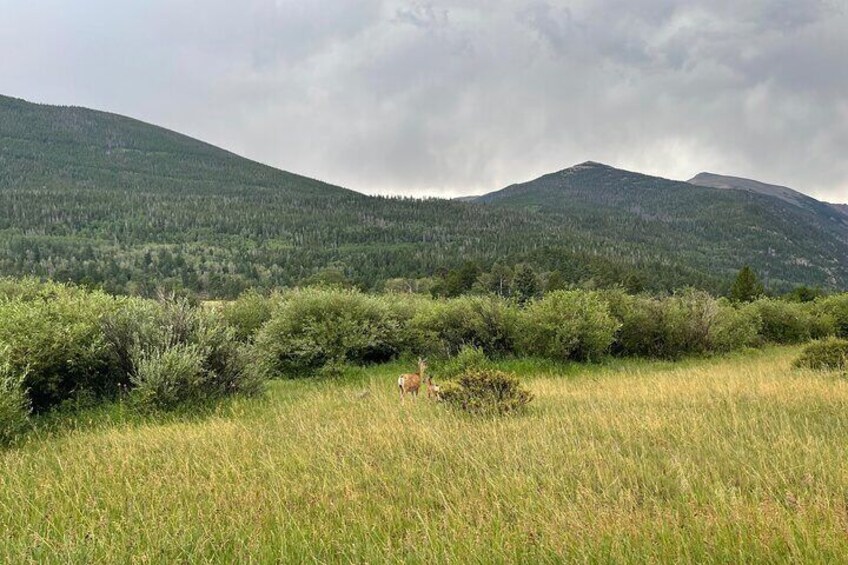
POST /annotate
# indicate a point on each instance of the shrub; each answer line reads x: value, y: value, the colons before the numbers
x: 690, y: 322
x: 312, y: 328
x: 247, y: 314
x: 169, y: 378
x: 486, y: 392
x: 58, y: 345
x: 443, y: 327
x: 642, y: 330
x: 827, y: 355
x: 785, y: 322
x: 14, y: 408
x: 733, y: 329
x: 468, y: 359
x: 834, y: 308
x: 568, y: 325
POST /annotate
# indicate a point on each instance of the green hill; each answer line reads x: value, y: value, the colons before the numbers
x: 710, y: 229
x: 103, y: 199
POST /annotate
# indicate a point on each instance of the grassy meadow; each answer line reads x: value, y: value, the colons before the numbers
x: 730, y: 459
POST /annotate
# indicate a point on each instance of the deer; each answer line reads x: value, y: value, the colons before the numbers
x: 411, y: 382
x: 433, y: 390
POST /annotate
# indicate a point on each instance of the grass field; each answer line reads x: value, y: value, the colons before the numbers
x: 732, y: 459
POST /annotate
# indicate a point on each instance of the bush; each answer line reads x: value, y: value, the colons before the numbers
x: 827, y: 355
x: 58, y: 345
x: 835, y: 308
x: 468, y: 359
x: 733, y: 329
x: 169, y: 378
x: 486, y: 392
x: 14, y: 408
x: 785, y: 322
x: 690, y: 322
x: 443, y: 327
x: 247, y: 314
x: 568, y: 325
x: 312, y: 328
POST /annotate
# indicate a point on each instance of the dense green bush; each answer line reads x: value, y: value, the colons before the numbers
x: 687, y: 323
x: 826, y: 355
x: 486, y: 392
x: 834, y: 308
x: 469, y: 359
x: 165, y: 379
x: 443, y: 327
x: 14, y: 408
x: 311, y: 328
x: 568, y: 325
x: 57, y: 345
x: 247, y: 314
x: 787, y: 322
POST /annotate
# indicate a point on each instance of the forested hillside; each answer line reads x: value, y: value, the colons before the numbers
x: 109, y: 201
x: 710, y: 229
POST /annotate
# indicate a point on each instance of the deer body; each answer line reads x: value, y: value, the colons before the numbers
x: 433, y: 389
x: 411, y: 382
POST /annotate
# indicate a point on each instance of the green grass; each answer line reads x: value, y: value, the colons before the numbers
x: 733, y: 459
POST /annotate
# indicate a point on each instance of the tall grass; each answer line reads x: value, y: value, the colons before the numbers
x: 728, y: 459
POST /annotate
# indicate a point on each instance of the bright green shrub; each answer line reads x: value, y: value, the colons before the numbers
x: 826, y: 355
x: 469, y: 359
x: 247, y: 314
x: 836, y: 309
x: 58, y: 345
x: 785, y: 322
x: 641, y: 329
x: 14, y: 408
x: 486, y: 392
x: 568, y: 325
x: 312, y: 328
x: 169, y: 378
x: 688, y: 323
x: 733, y: 329
x: 443, y: 327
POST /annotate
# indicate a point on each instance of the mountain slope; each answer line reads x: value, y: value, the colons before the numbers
x: 786, y: 194
x: 712, y: 229
x: 98, y: 198
x: 94, y: 197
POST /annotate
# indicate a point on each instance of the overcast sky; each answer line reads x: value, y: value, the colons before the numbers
x: 460, y: 96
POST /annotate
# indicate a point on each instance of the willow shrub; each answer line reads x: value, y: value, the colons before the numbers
x: 834, y: 308
x: 311, y: 328
x: 14, y: 409
x: 57, y: 346
x: 687, y: 323
x: 444, y: 327
x: 486, y: 393
x: 826, y: 355
x: 247, y: 314
x: 785, y: 322
x: 568, y: 325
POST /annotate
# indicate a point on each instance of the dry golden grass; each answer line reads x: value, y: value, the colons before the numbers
x: 726, y: 460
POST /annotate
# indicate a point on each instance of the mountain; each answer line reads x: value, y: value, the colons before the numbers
x: 784, y: 193
x: 784, y: 235
x: 107, y: 200
x: 103, y: 199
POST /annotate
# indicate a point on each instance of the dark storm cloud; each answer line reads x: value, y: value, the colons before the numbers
x: 456, y: 96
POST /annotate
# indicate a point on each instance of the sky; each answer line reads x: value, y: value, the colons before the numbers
x: 453, y: 97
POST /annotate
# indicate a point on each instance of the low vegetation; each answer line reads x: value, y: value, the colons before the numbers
x: 826, y: 355
x: 63, y: 346
x: 486, y: 393
x: 732, y: 459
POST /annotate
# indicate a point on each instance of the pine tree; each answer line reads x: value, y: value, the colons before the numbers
x: 746, y: 287
x: 525, y: 285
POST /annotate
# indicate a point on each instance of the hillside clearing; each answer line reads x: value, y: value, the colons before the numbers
x: 732, y: 459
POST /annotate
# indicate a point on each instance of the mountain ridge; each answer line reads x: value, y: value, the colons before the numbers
x: 107, y: 200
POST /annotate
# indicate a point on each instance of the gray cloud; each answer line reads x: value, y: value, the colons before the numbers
x: 460, y: 96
